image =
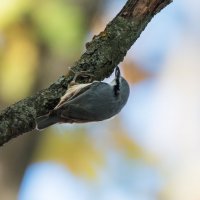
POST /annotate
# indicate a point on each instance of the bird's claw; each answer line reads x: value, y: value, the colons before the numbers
x: 83, y: 74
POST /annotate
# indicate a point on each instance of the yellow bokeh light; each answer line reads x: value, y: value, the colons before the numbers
x: 10, y: 10
x: 18, y: 66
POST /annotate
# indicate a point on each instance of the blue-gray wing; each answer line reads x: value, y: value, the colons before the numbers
x: 95, y: 104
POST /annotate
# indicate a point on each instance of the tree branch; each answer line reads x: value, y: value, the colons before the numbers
x: 102, y: 55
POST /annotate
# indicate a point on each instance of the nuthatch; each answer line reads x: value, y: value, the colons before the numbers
x: 90, y: 102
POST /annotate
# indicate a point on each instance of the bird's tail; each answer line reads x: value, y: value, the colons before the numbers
x: 45, y: 121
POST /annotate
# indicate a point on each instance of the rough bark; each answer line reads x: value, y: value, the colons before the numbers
x: 102, y: 55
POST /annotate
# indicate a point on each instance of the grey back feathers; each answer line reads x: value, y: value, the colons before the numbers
x: 94, y: 102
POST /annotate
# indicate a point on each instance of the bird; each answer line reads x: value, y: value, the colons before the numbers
x: 88, y: 102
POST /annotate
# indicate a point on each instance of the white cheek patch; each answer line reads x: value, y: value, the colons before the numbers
x: 114, y: 82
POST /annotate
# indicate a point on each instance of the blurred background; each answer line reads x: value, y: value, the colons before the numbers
x: 150, y: 151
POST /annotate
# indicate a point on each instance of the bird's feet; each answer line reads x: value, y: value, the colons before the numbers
x: 83, y: 74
